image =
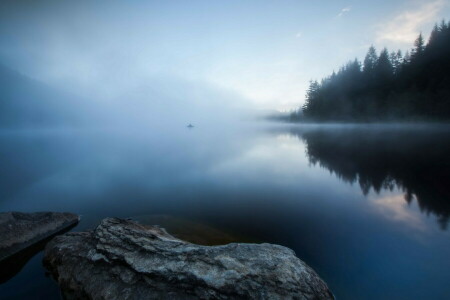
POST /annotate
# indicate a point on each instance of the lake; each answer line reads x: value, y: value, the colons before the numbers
x: 367, y: 206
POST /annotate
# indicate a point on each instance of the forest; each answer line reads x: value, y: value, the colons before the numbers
x: 388, y: 86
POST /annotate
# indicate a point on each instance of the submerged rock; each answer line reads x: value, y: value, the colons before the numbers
x: 22, y: 230
x: 122, y: 259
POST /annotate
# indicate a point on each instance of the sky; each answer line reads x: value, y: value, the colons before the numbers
x: 262, y: 52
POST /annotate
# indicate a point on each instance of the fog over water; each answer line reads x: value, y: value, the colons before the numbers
x: 95, y: 99
x: 367, y: 207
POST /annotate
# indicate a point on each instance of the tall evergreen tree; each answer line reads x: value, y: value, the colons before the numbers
x: 444, y: 26
x: 396, y: 61
x: 383, y: 68
x: 419, y: 47
x: 370, y: 61
x: 406, y: 58
x: 434, y: 34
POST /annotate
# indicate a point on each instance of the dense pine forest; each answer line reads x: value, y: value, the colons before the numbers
x: 387, y: 86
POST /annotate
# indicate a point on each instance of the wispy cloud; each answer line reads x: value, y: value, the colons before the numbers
x: 405, y: 27
x: 299, y: 34
x: 344, y: 11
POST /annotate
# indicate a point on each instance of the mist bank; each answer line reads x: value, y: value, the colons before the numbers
x: 29, y: 103
x: 386, y: 87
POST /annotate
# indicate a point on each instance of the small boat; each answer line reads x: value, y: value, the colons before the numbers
x: 190, y: 125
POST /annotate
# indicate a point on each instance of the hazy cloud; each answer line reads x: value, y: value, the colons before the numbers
x: 405, y: 27
x: 344, y: 11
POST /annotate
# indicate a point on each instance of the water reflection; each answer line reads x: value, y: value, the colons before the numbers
x: 395, y: 208
x: 192, y: 231
x: 216, y: 184
x: 412, y: 159
x: 11, y: 266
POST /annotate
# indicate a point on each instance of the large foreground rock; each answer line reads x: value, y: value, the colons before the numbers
x: 21, y: 230
x: 122, y: 259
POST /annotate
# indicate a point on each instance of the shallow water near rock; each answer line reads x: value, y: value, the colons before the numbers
x: 367, y: 207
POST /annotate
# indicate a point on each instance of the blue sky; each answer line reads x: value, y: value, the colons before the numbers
x: 263, y: 51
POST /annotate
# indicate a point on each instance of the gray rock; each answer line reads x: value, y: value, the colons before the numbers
x: 21, y: 230
x: 122, y: 259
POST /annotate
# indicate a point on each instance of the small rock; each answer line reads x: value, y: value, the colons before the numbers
x: 21, y: 230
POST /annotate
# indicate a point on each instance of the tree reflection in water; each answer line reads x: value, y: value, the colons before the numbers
x: 415, y: 160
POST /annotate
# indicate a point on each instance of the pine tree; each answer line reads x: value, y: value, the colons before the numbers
x: 396, y: 60
x: 419, y: 47
x: 406, y: 58
x: 444, y: 26
x: 311, y: 104
x: 370, y: 60
x: 383, y: 66
x: 434, y: 34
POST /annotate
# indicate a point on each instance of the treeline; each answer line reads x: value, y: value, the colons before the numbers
x: 387, y: 86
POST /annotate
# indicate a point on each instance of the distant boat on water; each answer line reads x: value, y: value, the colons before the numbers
x: 190, y: 125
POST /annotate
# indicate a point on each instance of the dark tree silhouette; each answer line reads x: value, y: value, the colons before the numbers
x: 396, y: 60
x: 419, y: 47
x: 370, y: 61
x: 387, y: 86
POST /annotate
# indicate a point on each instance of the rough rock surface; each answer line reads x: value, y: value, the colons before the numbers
x: 122, y: 259
x: 21, y: 230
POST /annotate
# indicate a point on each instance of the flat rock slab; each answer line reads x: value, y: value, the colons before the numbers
x: 122, y: 259
x: 21, y: 230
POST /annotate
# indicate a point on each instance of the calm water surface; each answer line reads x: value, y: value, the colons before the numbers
x: 366, y: 206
